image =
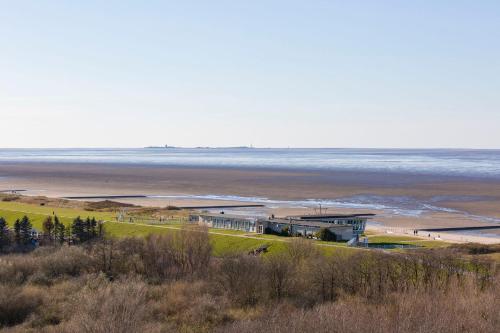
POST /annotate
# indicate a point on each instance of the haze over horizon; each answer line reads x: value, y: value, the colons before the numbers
x: 242, y: 147
x: 389, y: 74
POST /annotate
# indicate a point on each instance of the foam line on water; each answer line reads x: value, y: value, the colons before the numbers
x: 404, y: 206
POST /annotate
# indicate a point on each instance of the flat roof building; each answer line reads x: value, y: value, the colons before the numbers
x: 226, y: 221
x: 308, y: 228
x: 344, y: 227
x: 357, y: 221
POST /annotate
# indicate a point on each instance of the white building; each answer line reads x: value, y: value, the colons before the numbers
x: 344, y: 227
x: 226, y: 221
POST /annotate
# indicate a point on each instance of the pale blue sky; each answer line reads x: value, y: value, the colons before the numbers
x: 267, y: 73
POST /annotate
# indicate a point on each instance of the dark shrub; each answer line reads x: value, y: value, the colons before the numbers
x: 326, y: 235
x: 284, y: 232
x: 241, y: 277
x: 16, y: 304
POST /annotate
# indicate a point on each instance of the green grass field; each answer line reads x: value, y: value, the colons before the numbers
x: 223, y: 241
x: 14, y: 210
x: 386, y: 239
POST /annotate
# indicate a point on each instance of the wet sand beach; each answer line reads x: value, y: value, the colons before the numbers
x: 460, y: 201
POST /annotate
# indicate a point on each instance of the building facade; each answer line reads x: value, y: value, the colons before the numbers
x: 356, y: 221
x: 306, y: 228
x: 225, y: 221
x: 344, y: 227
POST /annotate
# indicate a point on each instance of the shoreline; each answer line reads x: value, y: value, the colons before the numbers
x: 373, y: 227
x: 460, y: 202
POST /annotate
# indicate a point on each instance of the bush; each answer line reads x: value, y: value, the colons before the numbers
x: 284, y: 232
x: 16, y: 269
x: 187, y: 306
x: 475, y: 248
x: 110, y: 307
x: 240, y: 277
x: 44, y: 265
x: 326, y: 235
x: 172, y: 256
x: 65, y: 261
x: 16, y: 304
x: 278, y: 275
x: 413, y: 312
x: 183, y: 254
x: 172, y: 283
x: 300, y: 249
x: 10, y: 198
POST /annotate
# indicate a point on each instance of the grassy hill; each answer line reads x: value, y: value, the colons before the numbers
x: 223, y: 241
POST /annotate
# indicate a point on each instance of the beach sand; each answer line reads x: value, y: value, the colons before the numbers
x: 469, y: 197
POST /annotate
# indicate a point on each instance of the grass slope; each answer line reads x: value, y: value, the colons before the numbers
x: 384, y: 239
x: 223, y: 241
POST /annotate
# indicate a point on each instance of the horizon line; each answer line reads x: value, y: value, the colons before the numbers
x: 251, y: 147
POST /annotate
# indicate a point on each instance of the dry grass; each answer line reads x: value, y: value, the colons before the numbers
x: 106, y: 205
x: 172, y: 283
x: 465, y: 311
x: 46, y: 201
x: 476, y: 248
x: 16, y: 304
x: 102, y: 306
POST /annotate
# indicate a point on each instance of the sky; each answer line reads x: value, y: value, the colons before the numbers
x: 265, y: 73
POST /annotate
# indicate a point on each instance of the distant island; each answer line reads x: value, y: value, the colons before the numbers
x: 200, y: 147
x: 236, y: 147
x: 160, y: 147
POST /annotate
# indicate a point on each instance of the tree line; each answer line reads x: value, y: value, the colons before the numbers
x: 22, y: 237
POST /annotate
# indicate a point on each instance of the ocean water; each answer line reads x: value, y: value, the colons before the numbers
x: 458, y: 162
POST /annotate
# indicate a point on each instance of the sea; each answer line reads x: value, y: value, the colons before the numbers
x: 450, y: 162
